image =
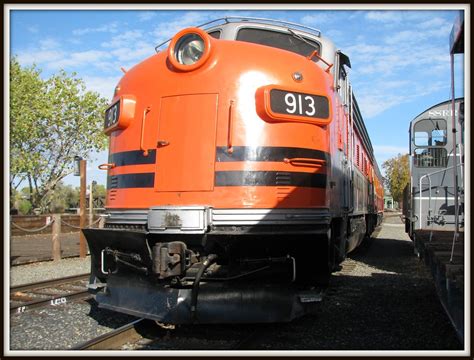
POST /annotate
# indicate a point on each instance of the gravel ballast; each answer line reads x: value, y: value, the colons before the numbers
x: 48, y: 270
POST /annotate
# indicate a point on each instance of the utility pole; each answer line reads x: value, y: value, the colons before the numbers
x: 82, y: 209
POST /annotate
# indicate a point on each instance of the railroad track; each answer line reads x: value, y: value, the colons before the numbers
x: 48, y: 293
x: 115, y: 339
x: 142, y: 334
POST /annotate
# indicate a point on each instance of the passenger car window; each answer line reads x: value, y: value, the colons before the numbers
x: 278, y: 40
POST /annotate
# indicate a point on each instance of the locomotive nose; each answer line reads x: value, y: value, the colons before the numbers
x: 190, y: 49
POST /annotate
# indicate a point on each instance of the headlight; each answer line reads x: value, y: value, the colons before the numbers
x: 189, y: 49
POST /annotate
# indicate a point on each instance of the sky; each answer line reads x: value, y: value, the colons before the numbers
x: 400, y: 58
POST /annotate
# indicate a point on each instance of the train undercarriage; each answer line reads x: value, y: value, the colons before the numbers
x: 236, y: 273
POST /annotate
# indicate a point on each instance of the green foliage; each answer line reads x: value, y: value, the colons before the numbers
x: 20, y: 201
x: 51, y: 121
x: 397, y: 175
x: 24, y: 207
x: 27, y: 104
x: 100, y: 193
x: 64, y: 197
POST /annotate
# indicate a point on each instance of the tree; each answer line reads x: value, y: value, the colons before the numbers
x: 397, y: 175
x: 64, y: 197
x: 21, y: 202
x: 51, y: 121
x: 100, y: 193
x: 27, y: 104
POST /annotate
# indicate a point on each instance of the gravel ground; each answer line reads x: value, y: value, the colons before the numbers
x: 62, y: 327
x: 48, y: 270
x: 387, y: 302
x: 384, y: 299
x: 59, y: 327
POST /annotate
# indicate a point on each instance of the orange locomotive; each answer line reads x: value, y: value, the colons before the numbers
x: 240, y: 174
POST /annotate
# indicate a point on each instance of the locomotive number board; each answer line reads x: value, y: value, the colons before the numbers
x: 112, y: 115
x: 299, y: 104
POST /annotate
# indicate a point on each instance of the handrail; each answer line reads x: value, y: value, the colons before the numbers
x: 142, y: 147
x: 230, y: 129
x: 270, y: 21
x: 304, y: 161
x: 315, y: 53
x: 421, y: 190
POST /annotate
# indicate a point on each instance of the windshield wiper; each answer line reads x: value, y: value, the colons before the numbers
x: 299, y: 37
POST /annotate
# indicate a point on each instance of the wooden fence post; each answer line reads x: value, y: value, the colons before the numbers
x: 56, y: 248
x: 101, y: 222
x: 82, y: 211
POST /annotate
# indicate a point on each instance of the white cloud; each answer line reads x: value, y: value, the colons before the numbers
x: 335, y: 35
x: 137, y: 53
x: 78, y: 59
x: 129, y: 46
x: 316, y: 20
x: 166, y: 30
x: 103, y: 85
x: 375, y: 97
x: 124, y: 39
x: 146, y: 15
x: 111, y: 28
x: 395, y: 84
x: 48, y: 43
x: 377, y: 101
x: 33, y: 29
x: 390, y: 150
x: 383, y: 16
x: 390, y: 17
x: 434, y: 23
x: 29, y: 57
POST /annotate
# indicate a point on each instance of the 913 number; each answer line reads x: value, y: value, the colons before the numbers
x: 299, y: 104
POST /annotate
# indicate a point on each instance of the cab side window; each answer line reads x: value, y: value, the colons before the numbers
x: 216, y: 34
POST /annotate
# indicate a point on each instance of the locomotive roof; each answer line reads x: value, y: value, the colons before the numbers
x: 443, y: 103
x: 264, y: 21
x: 269, y: 23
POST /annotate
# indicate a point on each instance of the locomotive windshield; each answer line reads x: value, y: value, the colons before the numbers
x: 430, y: 132
x: 290, y: 42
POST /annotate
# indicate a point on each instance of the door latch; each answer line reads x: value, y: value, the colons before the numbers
x: 162, y: 143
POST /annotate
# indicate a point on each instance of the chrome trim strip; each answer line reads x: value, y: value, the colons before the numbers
x: 227, y: 217
x: 220, y: 217
x: 128, y: 217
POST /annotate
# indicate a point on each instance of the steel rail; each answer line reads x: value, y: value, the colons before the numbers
x: 48, y: 283
x: 53, y: 301
x: 112, y: 340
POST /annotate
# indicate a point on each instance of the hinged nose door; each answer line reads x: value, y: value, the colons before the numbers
x: 186, y: 143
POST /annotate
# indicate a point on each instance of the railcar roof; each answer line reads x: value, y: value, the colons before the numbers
x: 438, y: 105
x: 263, y: 21
x: 276, y: 24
